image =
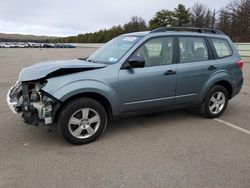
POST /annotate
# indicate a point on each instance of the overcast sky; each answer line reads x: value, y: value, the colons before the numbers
x: 71, y: 17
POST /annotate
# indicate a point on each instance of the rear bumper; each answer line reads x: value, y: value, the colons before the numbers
x: 237, y: 87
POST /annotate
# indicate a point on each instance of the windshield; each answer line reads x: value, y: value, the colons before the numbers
x: 113, y: 51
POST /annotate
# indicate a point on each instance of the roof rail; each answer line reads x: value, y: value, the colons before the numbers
x: 189, y: 29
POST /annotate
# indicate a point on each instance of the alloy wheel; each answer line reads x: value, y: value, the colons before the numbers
x: 84, y: 123
x: 217, y: 102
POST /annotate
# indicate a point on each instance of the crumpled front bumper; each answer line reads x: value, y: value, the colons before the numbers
x: 12, y: 100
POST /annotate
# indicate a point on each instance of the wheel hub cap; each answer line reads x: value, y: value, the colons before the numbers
x: 217, y: 102
x: 84, y: 123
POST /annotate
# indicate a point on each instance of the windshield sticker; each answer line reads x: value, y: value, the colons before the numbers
x: 112, y: 59
x: 130, y: 39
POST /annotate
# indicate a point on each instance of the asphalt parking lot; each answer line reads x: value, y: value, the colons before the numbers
x: 172, y: 149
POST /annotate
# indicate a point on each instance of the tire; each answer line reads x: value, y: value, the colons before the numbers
x: 82, y: 121
x: 215, y: 102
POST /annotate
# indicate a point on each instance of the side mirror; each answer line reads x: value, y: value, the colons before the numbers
x: 136, y: 62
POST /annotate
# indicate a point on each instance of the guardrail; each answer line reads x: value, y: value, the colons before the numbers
x: 243, y: 49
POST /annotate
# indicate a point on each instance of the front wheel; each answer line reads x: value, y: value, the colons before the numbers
x: 82, y: 121
x: 215, y: 102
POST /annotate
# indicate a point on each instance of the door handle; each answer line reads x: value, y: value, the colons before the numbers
x: 169, y: 72
x: 212, y: 67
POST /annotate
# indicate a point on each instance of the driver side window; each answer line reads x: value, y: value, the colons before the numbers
x: 157, y: 51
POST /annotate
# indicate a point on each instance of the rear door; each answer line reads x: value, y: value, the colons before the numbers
x: 195, y: 66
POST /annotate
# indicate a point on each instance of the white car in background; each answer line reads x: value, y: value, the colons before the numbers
x: 22, y: 45
x: 33, y: 45
x: 8, y: 45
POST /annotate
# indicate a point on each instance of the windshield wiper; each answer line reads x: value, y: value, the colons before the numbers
x: 83, y: 58
x: 89, y: 60
x: 86, y: 59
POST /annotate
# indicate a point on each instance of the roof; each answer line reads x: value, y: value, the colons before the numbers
x: 188, y: 29
x: 179, y: 30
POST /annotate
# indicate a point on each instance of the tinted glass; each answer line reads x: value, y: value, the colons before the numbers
x: 156, y: 51
x: 222, y: 47
x: 192, y: 49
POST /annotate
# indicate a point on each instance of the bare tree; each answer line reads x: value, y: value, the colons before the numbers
x: 213, y: 19
x: 208, y: 19
x: 199, y: 12
x: 224, y: 23
x: 234, y: 20
x: 136, y: 24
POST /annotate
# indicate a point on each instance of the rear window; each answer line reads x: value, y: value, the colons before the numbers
x: 222, y: 47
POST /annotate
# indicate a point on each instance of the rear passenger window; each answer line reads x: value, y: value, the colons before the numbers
x: 192, y: 49
x: 222, y: 47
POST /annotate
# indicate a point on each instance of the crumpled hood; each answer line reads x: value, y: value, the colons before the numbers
x: 41, y: 70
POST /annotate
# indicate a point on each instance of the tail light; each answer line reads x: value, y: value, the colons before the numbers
x: 240, y: 64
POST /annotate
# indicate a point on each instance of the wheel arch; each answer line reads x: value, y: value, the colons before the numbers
x: 224, y: 82
x: 220, y: 78
x: 227, y: 85
x: 93, y: 95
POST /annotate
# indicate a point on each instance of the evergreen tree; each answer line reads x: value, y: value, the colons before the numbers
x: 181, y: 15
x: 162, y: 18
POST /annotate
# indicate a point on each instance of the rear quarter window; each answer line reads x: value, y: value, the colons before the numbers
x: 222, y: 47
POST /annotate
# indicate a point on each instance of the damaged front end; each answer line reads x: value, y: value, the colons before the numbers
x: 34, y: 104
x: 27, y: 97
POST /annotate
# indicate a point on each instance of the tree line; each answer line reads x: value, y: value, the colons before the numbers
x: 233, y: 20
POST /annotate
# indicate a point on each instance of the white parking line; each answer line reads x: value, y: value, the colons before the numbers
x: 233, y: 126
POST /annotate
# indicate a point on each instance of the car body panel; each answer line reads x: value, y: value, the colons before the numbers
x: 86, y: 82
x: 41, y: 70
x: 191, y: 77
x: 146, y: 88
x: 219, y: 76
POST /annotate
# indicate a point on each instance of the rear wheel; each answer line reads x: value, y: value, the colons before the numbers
x: 215, y: 102
x: 82, y: 121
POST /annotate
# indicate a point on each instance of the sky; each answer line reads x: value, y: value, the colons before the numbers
x: 72, y: 17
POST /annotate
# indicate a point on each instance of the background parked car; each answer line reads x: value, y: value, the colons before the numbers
x: 69, y: 46
x: 8, y: 45
x: 34, y: 45
x: 46, y: 45
x: 22, y: 45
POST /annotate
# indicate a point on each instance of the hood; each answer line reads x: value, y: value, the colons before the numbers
x: 56, y: 68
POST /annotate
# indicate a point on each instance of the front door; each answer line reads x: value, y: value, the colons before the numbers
x: 154, y: 85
